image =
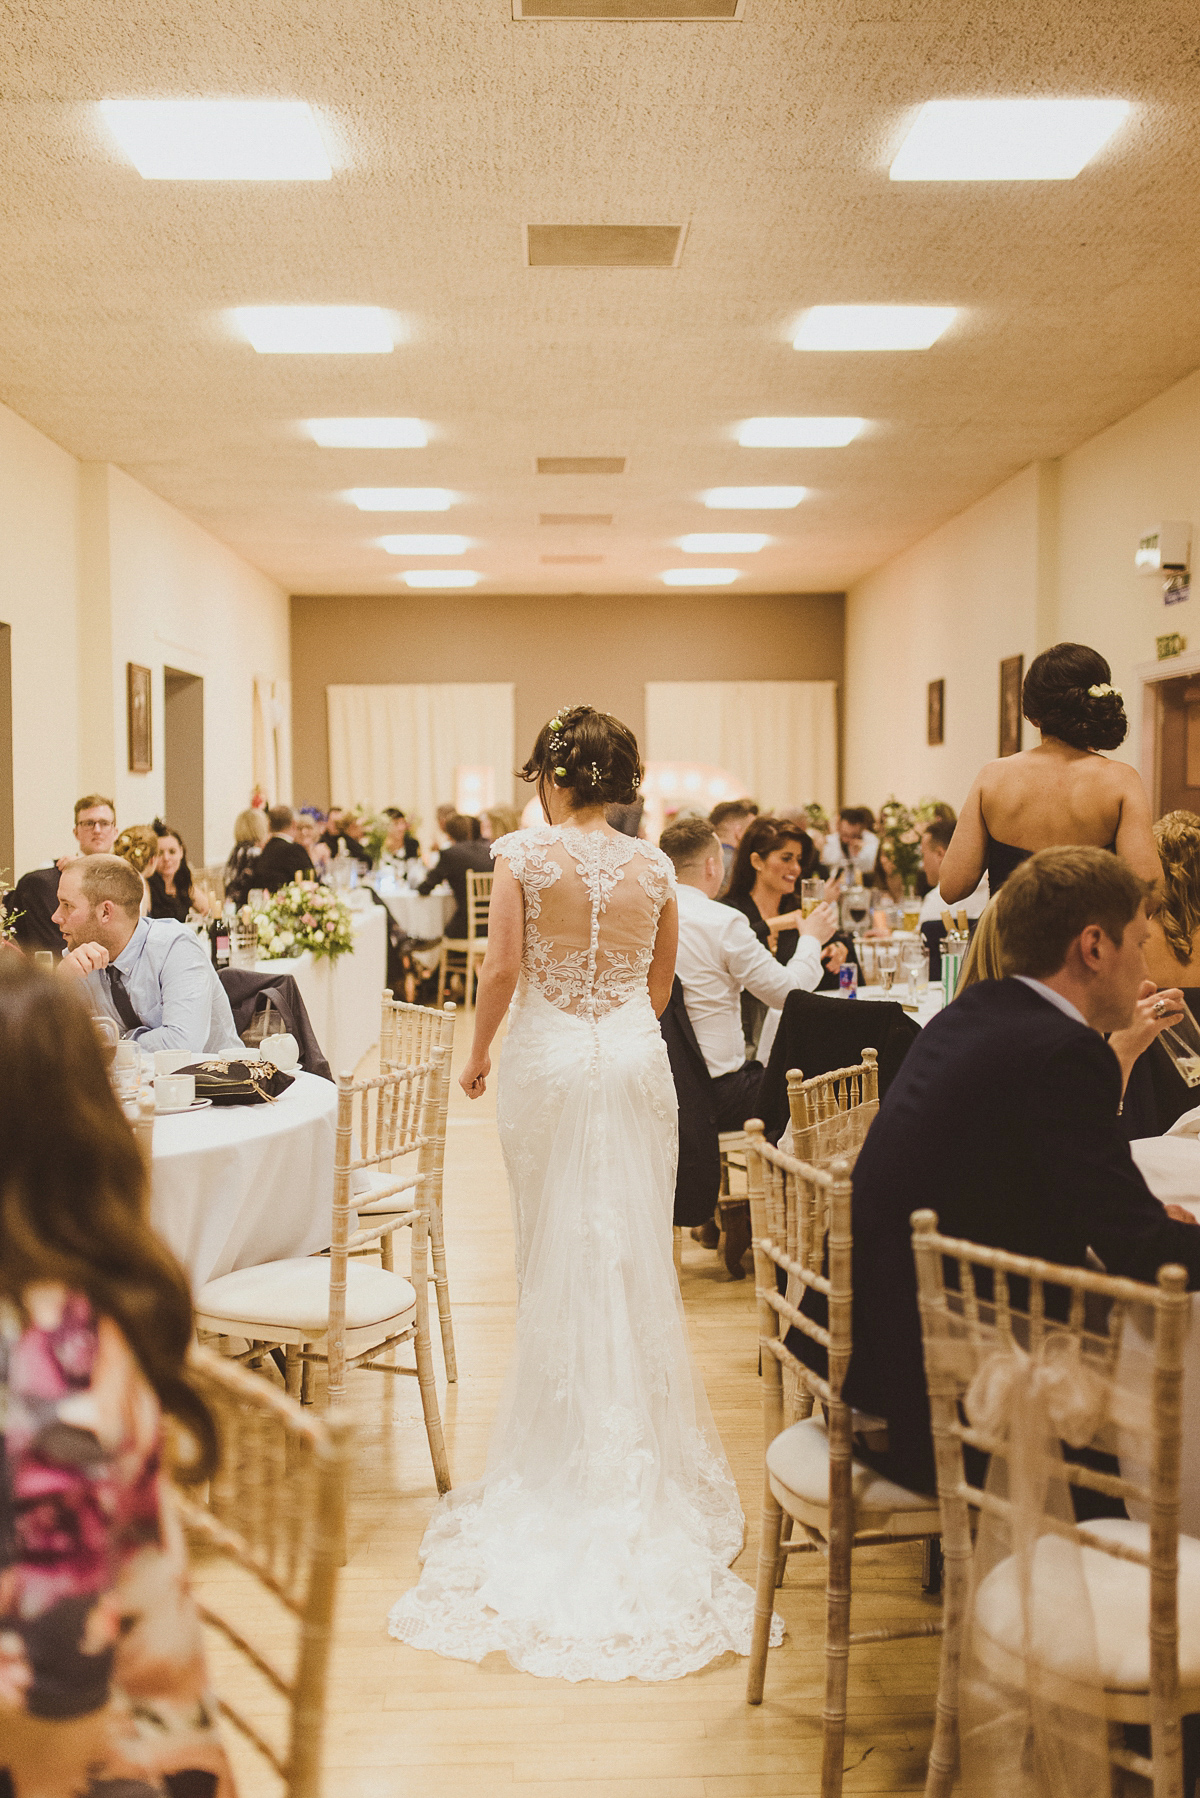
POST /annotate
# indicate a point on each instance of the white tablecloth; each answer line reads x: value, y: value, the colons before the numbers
x: 423, y: 916
x: 344, y: 997
x: 236, y: 1185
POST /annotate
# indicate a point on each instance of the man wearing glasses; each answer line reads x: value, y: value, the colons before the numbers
x: 35, y: 895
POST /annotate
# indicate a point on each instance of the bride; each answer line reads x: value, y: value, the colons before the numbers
x: 597, y: 1544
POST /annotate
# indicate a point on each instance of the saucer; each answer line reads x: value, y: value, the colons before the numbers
x: 170, y: 1111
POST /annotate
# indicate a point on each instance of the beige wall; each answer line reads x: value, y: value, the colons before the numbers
x: 602, y: 649
x: 96, y: 572
x: 1047, y: 557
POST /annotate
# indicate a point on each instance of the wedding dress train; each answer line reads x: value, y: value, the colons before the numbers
x: 597, y: 1544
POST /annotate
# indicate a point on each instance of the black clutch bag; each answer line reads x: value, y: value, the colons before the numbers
x: 238, y: 1082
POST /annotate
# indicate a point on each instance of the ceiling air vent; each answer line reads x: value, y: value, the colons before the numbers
x: 603, y: 246
x: 581, y: 465
x: 628, y: 9
x: 575, y: 518
x: 571, y: 561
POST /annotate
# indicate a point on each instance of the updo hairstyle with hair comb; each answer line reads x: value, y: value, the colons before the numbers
x: 588, y: 754
x: 1177, y: 836
x: 1068, y: 694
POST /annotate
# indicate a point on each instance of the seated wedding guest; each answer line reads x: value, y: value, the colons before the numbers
x: 461, y: 854
x: 935, y: 840
x: 153, y: 976
x: 172, y: 894
x: 304, y: 830
x: 719, y: 958
x: 105, y: 1688
x: 500, y: 821
x: 854, y: 843
x: 443, y: 812
x: 1062, y: 791
x: 400, y: 841
x: 984, y: 959
x: 333, y: 828
x: 1003, y: 1120
x: 351, y: 832
x: 35, y: 896
x: 282, y: 857
x: 1157, y: 1094
x: 250, y: 830
x: 763, y: 886
x: 731, y: 819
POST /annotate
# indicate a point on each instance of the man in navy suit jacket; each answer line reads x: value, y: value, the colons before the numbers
x: 1004, y: 1120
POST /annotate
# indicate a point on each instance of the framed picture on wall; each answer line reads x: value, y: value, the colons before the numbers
x: 935, y: 715
x: 1012, y: 673
x: 138, y: 712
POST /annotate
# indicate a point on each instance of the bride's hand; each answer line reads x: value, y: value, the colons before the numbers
x: 473, y: 1078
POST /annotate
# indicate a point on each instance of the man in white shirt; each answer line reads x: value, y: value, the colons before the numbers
x: 719, y: 956
x: 935, y: 840
x: 854, y: 845
x: 151, y: 975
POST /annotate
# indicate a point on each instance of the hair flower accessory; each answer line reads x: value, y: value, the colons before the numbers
x: 562, y: 772
x: 1103, y: 691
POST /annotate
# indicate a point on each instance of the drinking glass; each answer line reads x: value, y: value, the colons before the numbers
x: 914, y: 960
x: 1182, y: 1043
x: 243, y: 943
x: 912, y: 912
x: 109, y: 1034
x: 887, y: 961
x: 811, y: 894
x: 126, y: 1071
x: 44, y: 959
x: 856, y: 907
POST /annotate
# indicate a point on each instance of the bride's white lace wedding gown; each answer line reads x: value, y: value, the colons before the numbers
x: 597, y: 1544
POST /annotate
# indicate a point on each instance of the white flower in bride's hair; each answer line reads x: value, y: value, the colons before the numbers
x: 1103, y: 691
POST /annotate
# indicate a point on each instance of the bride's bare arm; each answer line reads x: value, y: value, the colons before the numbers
x: 662, y: 967
x: 498, y: 977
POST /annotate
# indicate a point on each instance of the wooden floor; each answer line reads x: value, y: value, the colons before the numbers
x: 405, y: 1724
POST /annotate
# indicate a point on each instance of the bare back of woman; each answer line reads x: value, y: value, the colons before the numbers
x: 1063, y: 791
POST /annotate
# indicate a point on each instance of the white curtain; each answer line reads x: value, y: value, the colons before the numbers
x: 272, y: 734
x: 779, y: 737
x: 404, y: 745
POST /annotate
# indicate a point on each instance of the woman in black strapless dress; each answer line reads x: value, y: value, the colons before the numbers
x: 1063, y: 791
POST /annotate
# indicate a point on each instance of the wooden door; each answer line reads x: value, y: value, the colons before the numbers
x: 1178, y: 747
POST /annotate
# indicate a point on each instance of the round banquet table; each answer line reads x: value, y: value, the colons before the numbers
x: 422, y: 916
x: 236, y: 1185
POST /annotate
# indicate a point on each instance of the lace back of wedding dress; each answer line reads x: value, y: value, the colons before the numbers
x: 597, y: 1544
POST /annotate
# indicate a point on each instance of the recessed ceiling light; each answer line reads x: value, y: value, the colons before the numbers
x: 441, y: 577
x: 799, y: 433
x: 367, y: 433
x: 722, y: 543
x: 401, y: 499
x: 219, y: 140
x: 699, y: 577
x: 872, y: 327
x: 431, y: 545
x: 1006, y: 140
x: 316, y: 330
x: 754, y: 499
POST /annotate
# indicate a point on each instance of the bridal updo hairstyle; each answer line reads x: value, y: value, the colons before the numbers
x: 1058, y: 700
x: 589, y: 754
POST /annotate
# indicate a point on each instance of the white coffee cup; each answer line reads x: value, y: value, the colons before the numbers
x: 283, y: 1050
x: 168, y: 1061
x: 172, y: 1092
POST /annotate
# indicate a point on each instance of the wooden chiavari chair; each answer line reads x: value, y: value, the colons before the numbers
x: 831, y: 1113
x: 270, y: 1524
x: 812, y: 1475
x: 471, y: 949
x: 408, y: 1035
x: 1024, y: 1646
x: 334, y: 1309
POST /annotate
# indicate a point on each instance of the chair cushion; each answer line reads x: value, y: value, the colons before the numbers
x: 798, y: 1460
x: 369, y: 1183
x: 1120, y: 1598
x: 295, y: 1295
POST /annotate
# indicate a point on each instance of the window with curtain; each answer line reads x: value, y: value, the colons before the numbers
x: 405, y: 745
x: 779, y: 738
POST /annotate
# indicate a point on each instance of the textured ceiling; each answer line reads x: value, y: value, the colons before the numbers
x: 455, y: 127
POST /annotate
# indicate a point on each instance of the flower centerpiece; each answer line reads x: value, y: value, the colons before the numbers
x: 304, y: 916
x: 900, y: 839
x: 8, y: 919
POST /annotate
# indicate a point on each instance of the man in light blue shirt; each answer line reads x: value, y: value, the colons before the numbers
x: 151, y: 975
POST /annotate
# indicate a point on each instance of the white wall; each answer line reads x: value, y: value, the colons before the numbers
x: 38, y: 599
x: 1045, y: 558
x: 95, y: 572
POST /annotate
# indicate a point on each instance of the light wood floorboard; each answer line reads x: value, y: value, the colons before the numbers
x: 407, y: 1724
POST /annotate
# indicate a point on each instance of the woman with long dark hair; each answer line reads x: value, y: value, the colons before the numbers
x: 1063, y: 791
x: 172, y: 894
x: 102, y: 1670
